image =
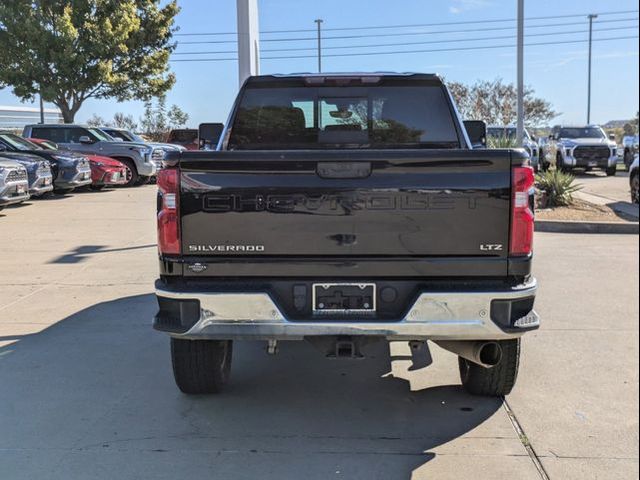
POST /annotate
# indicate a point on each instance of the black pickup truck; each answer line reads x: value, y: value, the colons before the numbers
x: 341, y: 210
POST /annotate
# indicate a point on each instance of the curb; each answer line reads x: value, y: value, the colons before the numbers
x: 556, y: 226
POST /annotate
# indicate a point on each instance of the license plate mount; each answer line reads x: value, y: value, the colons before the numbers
x: 332, y: 298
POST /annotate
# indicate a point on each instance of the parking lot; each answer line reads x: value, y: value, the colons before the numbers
x: 615, y: 189
x: 86, y: 389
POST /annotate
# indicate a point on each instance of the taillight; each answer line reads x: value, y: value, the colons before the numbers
x: 168, y: 219
x: 522, y: 217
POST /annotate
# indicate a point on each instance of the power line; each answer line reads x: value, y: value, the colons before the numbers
x: 479, y: 39
x: 402, y: 34
x: 458, y: 49
x: 377, y: 27
x: 490, y: 29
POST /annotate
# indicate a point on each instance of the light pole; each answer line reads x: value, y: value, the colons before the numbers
x: 248, y: 39
x: 520, y: 108
x: 41, y: 109
x: 591, y: 17
x: 319, y: 22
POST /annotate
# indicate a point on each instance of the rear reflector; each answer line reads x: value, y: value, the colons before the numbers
x: 168, y: 220
x: 522, y: 217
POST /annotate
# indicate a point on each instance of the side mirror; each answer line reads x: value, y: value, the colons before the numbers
x: 3, y: 148
x: 208, y: 135
x: 612, y: 136
x: 477, y: 133
x: 85, y: 139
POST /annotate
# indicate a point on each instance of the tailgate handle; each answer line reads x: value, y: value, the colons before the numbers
x: 344, y: 169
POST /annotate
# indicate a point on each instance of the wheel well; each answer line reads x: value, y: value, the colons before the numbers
x: 127, y: 160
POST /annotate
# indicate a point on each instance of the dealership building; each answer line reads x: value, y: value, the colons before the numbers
x: 18, y: 117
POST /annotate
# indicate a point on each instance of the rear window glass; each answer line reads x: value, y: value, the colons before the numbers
x: 346, y: 117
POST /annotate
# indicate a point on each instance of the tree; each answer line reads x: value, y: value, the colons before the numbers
x: 157, y: 120
x: 176, y: 117
x: 120, y: 120
x: 495, y: 102
x: 71, y: 51
x: 629, y: 129
x: 96, y: 121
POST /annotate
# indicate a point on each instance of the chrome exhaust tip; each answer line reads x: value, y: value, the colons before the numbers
x: 486, y: 354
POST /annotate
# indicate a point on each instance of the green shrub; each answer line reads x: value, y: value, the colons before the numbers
x: 558, y: 187
x: 502, y: 142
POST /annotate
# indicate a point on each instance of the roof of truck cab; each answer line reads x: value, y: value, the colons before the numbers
x: 347, y: 74
x: 578, y: 125
x: 292, y: 76
x: 58, y: 125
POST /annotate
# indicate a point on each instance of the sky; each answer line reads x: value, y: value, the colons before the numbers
x: 557, y: 73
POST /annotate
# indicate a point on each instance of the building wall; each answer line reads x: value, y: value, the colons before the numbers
x: 18, y: 117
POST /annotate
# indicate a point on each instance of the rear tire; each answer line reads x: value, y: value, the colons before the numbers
x: 143, y: 180
x: 497, y: 381
x: 635, y: 188
x: 201, y: 366
x: 611, y: 171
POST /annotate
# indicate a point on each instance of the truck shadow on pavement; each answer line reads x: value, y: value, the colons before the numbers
x: 93, y: 397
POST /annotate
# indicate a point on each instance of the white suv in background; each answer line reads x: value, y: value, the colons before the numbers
x: 586, y: 147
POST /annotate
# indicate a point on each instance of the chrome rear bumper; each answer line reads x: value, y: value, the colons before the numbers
x: 434, y: 315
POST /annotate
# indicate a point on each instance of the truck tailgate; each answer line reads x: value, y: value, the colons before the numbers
x: 373, y: 204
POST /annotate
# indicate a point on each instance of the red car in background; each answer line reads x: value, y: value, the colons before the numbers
x: 105, y: 171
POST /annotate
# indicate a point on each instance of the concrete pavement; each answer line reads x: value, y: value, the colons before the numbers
x: 86, y: 389
x: 614, y: 192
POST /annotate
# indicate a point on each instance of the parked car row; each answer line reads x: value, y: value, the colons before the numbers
x: 568, y: 148
x: 61, y: 158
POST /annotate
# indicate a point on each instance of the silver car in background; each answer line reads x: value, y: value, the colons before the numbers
x: 14, y: 183
x: 38, y: 171
x: 529, y: 144
x: 124, y: 135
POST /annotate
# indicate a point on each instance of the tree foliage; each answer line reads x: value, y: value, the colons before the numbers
x: 157, y: 120
x: 495, y: 102
x: 96, y: 121
x: 120, y: 120
x: 71, y: 51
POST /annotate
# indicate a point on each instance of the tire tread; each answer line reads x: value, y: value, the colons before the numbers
x: 197, y: 365
x: 496, y: 381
